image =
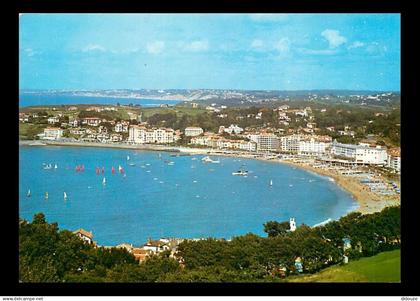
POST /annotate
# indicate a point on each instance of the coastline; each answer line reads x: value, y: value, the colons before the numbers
x: 368, y: 201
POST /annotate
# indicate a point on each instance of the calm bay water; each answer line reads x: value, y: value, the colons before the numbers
x: 45, y: 99
x: 189, y: 199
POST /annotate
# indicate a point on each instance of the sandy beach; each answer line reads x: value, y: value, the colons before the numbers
x: 368, y: 201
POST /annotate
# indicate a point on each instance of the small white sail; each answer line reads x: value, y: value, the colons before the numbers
x: 29, y: 193
x: 104, y: 181
x: 55, y: 166
x: 128, y: 157
x: 65, y: 195
x: 271, y: 182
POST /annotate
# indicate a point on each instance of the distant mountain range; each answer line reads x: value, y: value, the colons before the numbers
x: 238, y: 97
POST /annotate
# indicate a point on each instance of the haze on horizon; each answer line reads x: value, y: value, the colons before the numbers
x: 210, y: 51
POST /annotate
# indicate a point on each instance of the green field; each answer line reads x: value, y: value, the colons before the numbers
x: 384, y: 267
x: 147, y: 112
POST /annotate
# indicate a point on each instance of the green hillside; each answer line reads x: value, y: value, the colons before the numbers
x: 384, y: 267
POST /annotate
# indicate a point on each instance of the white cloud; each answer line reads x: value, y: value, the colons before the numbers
x: 196, y: 46
x: 155, y: 47
x: 356, y: 44
x: 376, y: 49
x: 94, y: 47
x: 318, y: 51
x: 257, y: 44
x: 333, y: 37
x: 268, y: 17
x: 283, y: 45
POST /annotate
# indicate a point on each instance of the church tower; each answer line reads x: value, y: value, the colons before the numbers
x: 292, y: 224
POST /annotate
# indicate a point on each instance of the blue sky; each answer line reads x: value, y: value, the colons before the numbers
x: 212, y: 51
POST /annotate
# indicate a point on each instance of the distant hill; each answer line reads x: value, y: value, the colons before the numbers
x: 239, y: 98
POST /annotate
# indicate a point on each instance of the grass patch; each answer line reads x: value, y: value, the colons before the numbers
x: 384, y: 267
x: 179, y: 111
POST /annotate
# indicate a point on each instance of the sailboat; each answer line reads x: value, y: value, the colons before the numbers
x: 46, y: 195
x: 113, y: 169
x: 271, y: 182
x: 55, y: 166
x: 128, y: 157
x: 28, y: 194
x: 104, y: 181
x: 65, y: 195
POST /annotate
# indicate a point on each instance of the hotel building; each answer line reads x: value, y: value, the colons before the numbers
x: 361, y: 153
x: 140, y: 134
x: 193, y: 131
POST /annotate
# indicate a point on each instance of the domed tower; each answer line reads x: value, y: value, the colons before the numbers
x: 292, y: 224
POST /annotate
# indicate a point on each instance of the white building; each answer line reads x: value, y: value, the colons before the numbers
x: 140, y: 134
x: 84, y: 235
x: 93, y: 121
x: 53, y: 119
x: 193, y: 131
x: 232, y: 129
x: 265, y: 142
x: 121, y: 127
x: 361, y: 153
x: 292, y: 224
x: 51, y: 134
x: 305, y: 144
x: 394, y: 159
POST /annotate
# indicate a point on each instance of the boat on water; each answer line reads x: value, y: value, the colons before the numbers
x: 55, y: 166
x: 271, y: 183
x: 132, y: 164
x: 47, y: 166
x: 28, y: 194
x: 207, y: 159
x: 46, y: 195
x: 240, y: 172
x: 113, y: 169
x: 128, y: 157
x: 103, y: 181
x: 65, y: 195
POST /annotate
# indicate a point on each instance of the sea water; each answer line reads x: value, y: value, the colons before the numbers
x: 50, y: 99
x: 187, y: 199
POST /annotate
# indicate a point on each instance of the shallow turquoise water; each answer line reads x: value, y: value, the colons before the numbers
x: 189, y: 199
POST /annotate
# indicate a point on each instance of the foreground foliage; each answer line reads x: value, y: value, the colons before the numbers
x: 49, y: 255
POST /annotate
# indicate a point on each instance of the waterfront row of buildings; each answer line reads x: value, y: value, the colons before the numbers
x: 235, y: 138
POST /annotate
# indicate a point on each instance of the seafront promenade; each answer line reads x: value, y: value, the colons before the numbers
x: 368, y: 200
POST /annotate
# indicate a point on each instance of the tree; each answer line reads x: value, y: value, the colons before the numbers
x: 273, y: 228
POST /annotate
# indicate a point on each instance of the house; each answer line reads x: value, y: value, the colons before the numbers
x: 92, y: 121
x: 128, y: 247
x: 233, y: 129
x: 23, y: 117
x: 51, y: 133
x: 74, y: 122
x: 72, y: 108
x: 193, y: 131
x: 53, y: 119
x: 141, y: 254
x: 84, y: 235
x: 121, y: 127
x: 155, y: 246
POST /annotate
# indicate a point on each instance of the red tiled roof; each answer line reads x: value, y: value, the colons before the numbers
x: 84, y: 233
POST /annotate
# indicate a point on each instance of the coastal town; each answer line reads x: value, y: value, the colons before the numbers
x: 215, y: 148
x: 369, y: 170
